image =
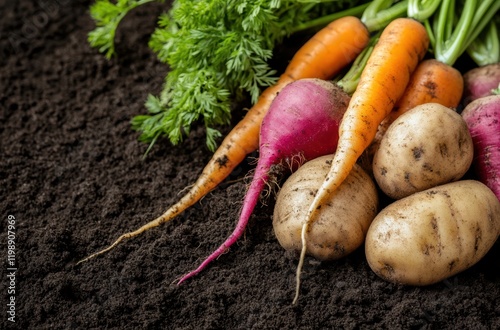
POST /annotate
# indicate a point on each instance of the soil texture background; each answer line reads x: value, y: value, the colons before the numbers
x: 73, y: 177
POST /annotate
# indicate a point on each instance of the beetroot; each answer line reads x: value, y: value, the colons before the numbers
x: 301, y: 124
x: 483, y: 119
x: 480, y: 82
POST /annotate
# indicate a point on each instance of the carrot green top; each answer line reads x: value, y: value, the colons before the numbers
x: 453, y: 28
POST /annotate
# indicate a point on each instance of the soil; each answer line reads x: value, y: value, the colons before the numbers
x: 73, y: 178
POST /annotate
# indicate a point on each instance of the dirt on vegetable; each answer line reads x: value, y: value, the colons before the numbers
x: 72, y: 179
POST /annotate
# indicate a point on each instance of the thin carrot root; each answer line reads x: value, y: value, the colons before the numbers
x: 155, y: 223
x: 301, y: 262
x: 202, y: 186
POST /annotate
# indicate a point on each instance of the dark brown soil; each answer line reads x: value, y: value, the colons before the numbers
x: 71, y: 174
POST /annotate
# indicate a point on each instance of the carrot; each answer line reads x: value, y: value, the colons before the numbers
x: 322, y: 56
x: 401, y: 46
x: 433, y: 81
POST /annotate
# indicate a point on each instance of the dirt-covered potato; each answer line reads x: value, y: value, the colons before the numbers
x: 342, y: 223
x: 425, y: 147
x: 434, y: 234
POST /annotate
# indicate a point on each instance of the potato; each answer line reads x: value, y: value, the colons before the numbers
x: 434, y: 234
x: 341, y: 225
x: 425, y: 147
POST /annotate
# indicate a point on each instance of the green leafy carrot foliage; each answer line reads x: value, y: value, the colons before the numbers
x: 217, y: 51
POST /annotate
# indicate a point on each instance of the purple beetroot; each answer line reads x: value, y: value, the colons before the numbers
x: 480, y: 82
x: 483, y: 119
x: 301, y: 124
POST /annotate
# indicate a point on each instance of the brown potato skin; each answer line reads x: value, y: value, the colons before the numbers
x: 427, y: 146
x: 434, y: 234
x: 341, y: 225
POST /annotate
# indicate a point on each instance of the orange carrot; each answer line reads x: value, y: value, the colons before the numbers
x: 402, y: 45
x: 323, y: 56
x: 432, y: 81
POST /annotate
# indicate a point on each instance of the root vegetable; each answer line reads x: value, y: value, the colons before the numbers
x: 425, y: 147
x: 343, y: 220
x: 480, y: 82
x: 432, y: 82
x: 483, y: 120
x: 434, y: 234
x: 301, y: 124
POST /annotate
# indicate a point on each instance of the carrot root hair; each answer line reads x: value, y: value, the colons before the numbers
x: 155, y: 223
x: 197, y: 191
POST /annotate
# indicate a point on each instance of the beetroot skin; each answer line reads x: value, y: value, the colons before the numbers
x: 479, y: 82
x: 483, y: 119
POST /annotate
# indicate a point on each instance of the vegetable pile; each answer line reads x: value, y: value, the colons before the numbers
x: 372, y: 107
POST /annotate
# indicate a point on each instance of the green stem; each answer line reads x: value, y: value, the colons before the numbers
x: 449, y: 41
x: 374, y: 8
x: 324, y: 20
x: 422, y: 9
x: 450, y: 19
x: 381, y: 12
x: 484, y: 14
x: 350, y: 80
x: 430, y: 33
x: 453, y: 40
x: 108, y: 25
x: 485, y: 49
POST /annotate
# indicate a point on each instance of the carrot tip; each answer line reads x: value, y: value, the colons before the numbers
x: 301, y: 262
